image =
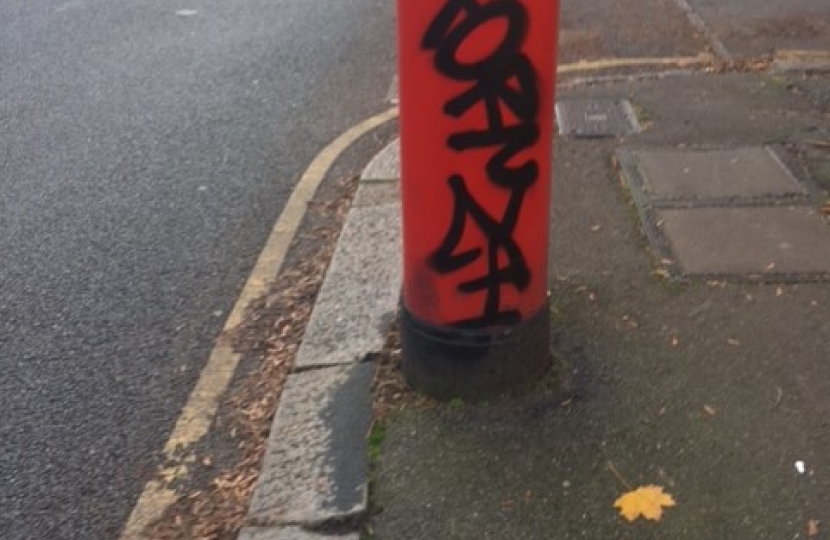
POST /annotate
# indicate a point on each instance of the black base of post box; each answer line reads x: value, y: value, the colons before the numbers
x: 449, y: 363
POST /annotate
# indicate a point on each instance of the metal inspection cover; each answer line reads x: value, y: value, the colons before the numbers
x: 706, y: 176
x: 596, y: 118
x: 748, y: 241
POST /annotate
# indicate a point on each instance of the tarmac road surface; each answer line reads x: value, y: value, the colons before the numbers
x: 145, y: 151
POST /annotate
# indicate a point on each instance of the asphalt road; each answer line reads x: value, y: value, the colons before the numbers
x: 146, y: 149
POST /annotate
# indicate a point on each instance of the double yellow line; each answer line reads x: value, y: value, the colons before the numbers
x: 200, y: 410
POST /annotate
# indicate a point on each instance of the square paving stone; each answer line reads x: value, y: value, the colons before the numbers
x: 596, y: 118
x: 746, y: 173
x: 748, y: 240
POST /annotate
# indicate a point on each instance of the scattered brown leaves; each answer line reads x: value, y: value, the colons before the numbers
x: 389, y: 389
x: 272, y: 332
x: 744, y: 65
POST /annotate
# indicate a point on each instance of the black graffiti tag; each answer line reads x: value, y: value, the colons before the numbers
x: 502, y: 81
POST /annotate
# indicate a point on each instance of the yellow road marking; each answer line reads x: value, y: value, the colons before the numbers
x: 701, y: 59
x: 801, y: 60
x: 602, y: 64
x: 199, y: 411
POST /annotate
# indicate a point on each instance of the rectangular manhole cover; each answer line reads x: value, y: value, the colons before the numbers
x: 596, y: 118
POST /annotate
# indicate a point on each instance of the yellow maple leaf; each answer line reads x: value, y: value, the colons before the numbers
x: 647, y: 501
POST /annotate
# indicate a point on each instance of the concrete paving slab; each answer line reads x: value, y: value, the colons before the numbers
x: 596, y: 118
x: 748, y: 241
x: 316, y: 462
x: 745, y: 173
x: 386, y: 165
x: 393, y: 94
x: 359, y: 297
x: 288, y: 533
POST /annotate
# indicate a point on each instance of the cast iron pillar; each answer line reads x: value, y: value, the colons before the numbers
x: 477, y: 82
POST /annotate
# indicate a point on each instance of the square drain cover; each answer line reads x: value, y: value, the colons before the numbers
x: 596, y: 118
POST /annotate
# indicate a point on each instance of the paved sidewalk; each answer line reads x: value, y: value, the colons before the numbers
x: 689, y: 278
x: 690, y: 274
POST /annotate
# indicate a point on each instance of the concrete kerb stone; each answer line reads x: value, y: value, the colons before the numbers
x: 380, y: 181
x: 316, y: 466
x: 377, y: 194
x: 315, y: 470
x: 385, y: 166
x: 345, y: 326
x: 288, y: 533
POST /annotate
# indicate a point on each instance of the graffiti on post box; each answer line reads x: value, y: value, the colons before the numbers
x: 503, y: 83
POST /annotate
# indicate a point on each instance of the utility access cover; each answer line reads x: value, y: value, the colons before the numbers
x: 596, y: 118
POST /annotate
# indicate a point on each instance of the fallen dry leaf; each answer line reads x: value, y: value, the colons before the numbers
x: 812, y: 528
x: 631, y: 322
x: 647, y: 501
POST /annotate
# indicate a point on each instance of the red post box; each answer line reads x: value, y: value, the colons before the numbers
x: 477, y: 82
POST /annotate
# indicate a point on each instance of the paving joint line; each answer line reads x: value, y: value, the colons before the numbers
x: 368, y: 358
x: 697, y: 21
